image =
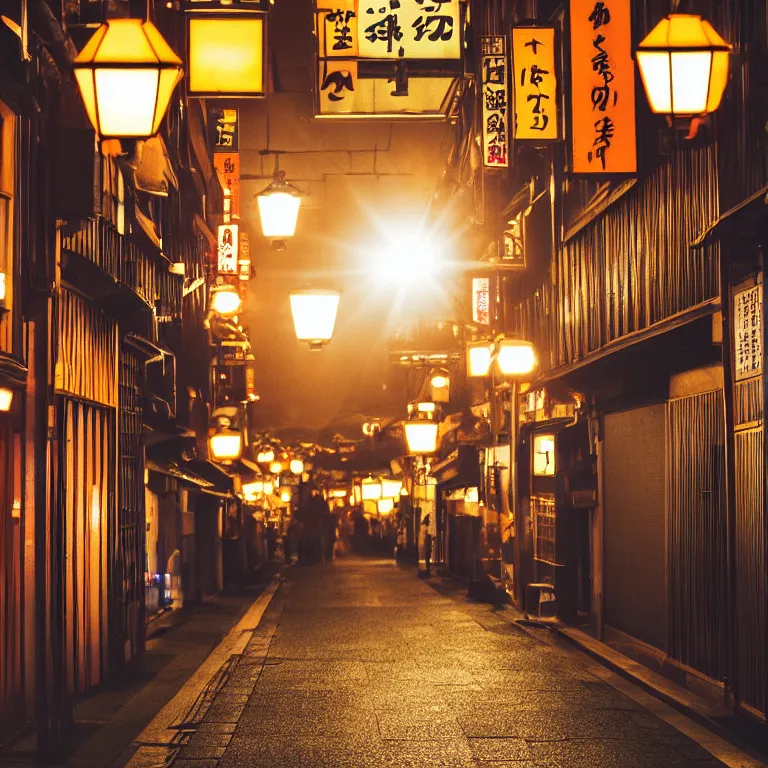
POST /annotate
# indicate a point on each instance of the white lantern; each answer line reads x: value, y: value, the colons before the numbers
x: 421, y: 436
x: 390, y: 489
x: 314, y: 315
x: 266, y: 456
x: 126, y: 74
x: 279, y: 205
x: 371, y: 490
x: 275, y: 467
x: 479, y: 358
x: 385, y: 506
x: 225, y: 300
x: 684, y: 65
x: 515, y: 357
x: 296, y: 466
x: 226, y: 446
x: 6, y: 399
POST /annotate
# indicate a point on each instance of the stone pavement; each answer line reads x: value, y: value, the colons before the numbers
x: 358, y: 663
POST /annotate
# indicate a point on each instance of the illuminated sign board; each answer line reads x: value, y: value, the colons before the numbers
x: 494, y: 84
x: 227, y: 249
x: 481, y: 294
x: 534, y: 75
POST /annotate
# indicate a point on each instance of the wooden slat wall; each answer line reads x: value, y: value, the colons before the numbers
x: 86, y: 366
x: 87, y: 433
x: 632, y: 267
x: 11, y: 683
x: 750, y: 567
x: 697, y: 533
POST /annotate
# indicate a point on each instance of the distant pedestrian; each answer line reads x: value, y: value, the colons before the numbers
x: 425, y: 544
x: 329, y: 536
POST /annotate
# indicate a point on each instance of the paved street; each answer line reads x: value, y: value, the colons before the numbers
x: 359, y: 663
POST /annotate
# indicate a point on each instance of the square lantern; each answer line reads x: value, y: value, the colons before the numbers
x: 226, y: 55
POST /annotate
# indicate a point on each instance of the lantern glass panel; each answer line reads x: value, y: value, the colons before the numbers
x: 314, y: 314
x: 690, y: 81
x: 516, y: 358
x: 278, y: 212
x: 226, y: 447
x: 479, y: 359
x: 421, y: 437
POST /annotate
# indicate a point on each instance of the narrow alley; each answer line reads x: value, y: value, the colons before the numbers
x: 358, y: 663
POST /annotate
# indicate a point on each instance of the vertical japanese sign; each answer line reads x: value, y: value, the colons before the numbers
x: 494, y: 89
x: 481, y: 294
x: 602, y: 88
x: 224, y: 129
x: 227, y: 166
x: 534, y: 86
x: 748, y: 332
x: 227, y: 249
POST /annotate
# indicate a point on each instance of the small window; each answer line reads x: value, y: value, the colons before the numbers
x: 544, y: 455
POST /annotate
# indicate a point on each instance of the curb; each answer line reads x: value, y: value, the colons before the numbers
x: 153, y: 745
x: 657, y: 686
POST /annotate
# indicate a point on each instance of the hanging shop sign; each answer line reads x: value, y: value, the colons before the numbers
x: 226, y: 55
x: 227, y: 249
x: 481, y: 294
x: 602, y: 88
x: 224, y: 129
x: 228, y: 172
x: 514, y: 248
x: 494, y: 74
x: 748, y: 332
x: 534, y: 77
x: 379, y: 57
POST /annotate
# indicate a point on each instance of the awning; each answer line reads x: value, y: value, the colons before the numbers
x: 146, y: 227
x: 173, y: 470
x: 155, y: 173
x: 746, y: 221
x: 221, y: 480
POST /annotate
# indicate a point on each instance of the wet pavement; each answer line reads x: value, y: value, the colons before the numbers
x: 359, y: 663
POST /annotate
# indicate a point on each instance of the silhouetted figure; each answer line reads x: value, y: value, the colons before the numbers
x: 360, y: 542
x: 425, y: 545
x: 316, y: 513
x: 329, y: 535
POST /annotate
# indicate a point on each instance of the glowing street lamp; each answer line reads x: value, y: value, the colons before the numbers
x: 390, y: 489
x: 479, y: 358
x: 515, y: 357
x: 265, y: 456
x: 126, y: 74
x: 421, y: 436
x: 371, y: 489
x: 314, y: 315
x: 279, y: 205
x: 6, y: 399
x: 684, y: 64
x: 225, y: 300
x: 296, y: 466
x: 275, y: 467
x: 385, y: 506
x: 440, y: 384
x: 226, y: 445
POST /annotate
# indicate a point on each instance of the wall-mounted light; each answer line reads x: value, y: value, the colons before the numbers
x: 279, y: 205
x: 226, y: 445
x: 6, y: 399
x: 225, y: 300
x: 126, y: 74
x: 684, y: 66
x: 544, y: 455
x: 296, y: 466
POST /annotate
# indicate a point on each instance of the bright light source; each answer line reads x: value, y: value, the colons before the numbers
x: 407, y: 258
x: 314, y: 315
x: 2, y: 286
x: 251, y: 490
x: 440, y: 381
x: 264, y: 457
x: 421, y: 436
x: 385, y: 506
x: 390, y: 489
x: 404, y: 491
x: 226, y: 446
x: 297, y: 466
x: 339, y: 493
x: 426, y: 407
x: 684, y: 64
x: 371, y: 489
x: 126, y: 74
x: 275, y: 467
x: 544, y: 455
x: 479, y: 357
x: 95, y: 507
x: 285, y: 495
x: 515, y: 357
x: 6, y: 399
x: 269, y: 487
x: 279, y: 205
x: 225, y: 300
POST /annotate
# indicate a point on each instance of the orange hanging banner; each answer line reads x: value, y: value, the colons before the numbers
x: 535, y: 84
x: 603, y: 139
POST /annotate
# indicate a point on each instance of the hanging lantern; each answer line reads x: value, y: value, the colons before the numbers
x: 285, y: 495
x: 314, y: 315
x: 265, y: 456
x: 279, y: 205
x: 390, y: 489
x: 479, y: 358
x: 421, y: 436
x: 126, y: 74
x: 515, y: 357
x: 684, y: 66
x: 296, y: 466
x: 226, y: 445
x: 225, y: 300
x: 275, y: 467
x: 385, y: 506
